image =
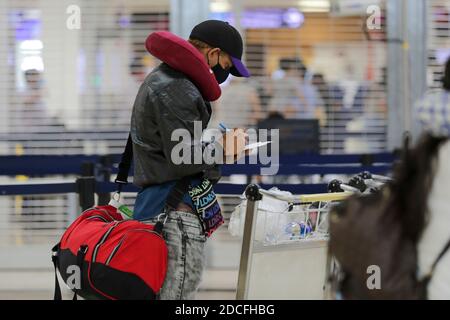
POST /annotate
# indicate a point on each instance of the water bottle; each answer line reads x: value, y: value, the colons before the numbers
x: 124, y: 211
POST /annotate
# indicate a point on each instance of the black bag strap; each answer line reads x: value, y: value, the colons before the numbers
x: 80, y: 258
x: 428, y: 277
x: 57, y: 295
x: 125, y: 164
x: 425, y: 281
x: 177, y: 193
x: 80, y: 261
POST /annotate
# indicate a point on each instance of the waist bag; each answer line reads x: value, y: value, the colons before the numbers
x: 206, y: 206
x: 102, y: 256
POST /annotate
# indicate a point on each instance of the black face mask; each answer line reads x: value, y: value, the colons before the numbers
x: 220, y: 73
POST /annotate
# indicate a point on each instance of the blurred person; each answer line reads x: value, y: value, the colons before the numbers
x: 433, y: 162
x: 287, y: 97
x: 33, y: 85
x: 318, y: 80
x: 263, y: 87
x: 31, y: 116
x: 357, y: 114
x: 332, y: 96
x: 30, y: 113
x: 239, y: 105
x: 354, y: 92
x: 314, y: 101
x: 370, y: 98
x: 376, y: 103
x: 376, y: 110
x: 256, y: 55
x: 138, y: 69
x: 166, y: 101
x: 434, y: 97
x: 370, y: 113
x: 293, y: 96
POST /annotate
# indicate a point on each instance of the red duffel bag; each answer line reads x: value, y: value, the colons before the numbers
x: 102, y: 256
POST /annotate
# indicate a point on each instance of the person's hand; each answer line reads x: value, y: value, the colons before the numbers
x: 233, y: 143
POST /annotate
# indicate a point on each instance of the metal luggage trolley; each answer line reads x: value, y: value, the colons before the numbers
x: 290, y: 264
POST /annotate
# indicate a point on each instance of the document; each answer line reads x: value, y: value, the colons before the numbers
x: 256, y: 145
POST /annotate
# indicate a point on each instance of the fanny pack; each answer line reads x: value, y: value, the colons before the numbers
x: 206, y: 206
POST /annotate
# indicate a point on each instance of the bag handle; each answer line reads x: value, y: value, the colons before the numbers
x: 80, y: 256
x: 57, y: 295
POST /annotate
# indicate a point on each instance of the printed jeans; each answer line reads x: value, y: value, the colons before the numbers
x: 186, y: 255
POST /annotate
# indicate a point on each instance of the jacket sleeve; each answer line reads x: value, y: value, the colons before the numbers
x: 180, y: 112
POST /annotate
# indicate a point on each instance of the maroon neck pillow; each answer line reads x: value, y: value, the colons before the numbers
x: 184, y: 57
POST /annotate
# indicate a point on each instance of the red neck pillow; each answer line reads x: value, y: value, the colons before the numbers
x: 184, y: 57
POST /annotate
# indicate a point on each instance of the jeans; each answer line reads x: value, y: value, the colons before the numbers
x: 186, y: 255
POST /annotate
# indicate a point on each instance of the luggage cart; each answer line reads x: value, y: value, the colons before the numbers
x: 293, y: 268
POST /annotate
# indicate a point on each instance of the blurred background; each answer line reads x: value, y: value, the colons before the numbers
x: 69, y: 89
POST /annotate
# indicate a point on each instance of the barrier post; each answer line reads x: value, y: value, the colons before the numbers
x: 103, y: 174
x: 86, y: 186
x: 253, y: 196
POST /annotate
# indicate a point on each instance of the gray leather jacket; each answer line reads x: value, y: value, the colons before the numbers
x: 167, y: 100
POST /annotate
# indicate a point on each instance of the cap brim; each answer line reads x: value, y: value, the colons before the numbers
x: 238, y: 69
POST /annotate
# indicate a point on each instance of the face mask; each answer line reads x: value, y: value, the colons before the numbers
x: 220, y: 73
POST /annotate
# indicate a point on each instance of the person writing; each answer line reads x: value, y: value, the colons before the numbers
x: 169, y: 100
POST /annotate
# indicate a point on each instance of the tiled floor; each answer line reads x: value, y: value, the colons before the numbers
x: 219, y: 280
x: 47, y: 295
x: 38, y: 285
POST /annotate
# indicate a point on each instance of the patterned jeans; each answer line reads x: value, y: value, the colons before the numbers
x: 186, y: 256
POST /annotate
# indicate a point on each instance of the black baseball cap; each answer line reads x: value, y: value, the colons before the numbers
x: 220, y: 34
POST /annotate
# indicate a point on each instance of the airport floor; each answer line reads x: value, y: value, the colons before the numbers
x: 217, y: 284
x: 26, y: 272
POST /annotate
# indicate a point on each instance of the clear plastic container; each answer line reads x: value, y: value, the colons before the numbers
x: 280, y: 222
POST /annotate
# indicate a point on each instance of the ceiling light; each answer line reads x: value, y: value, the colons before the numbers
x: 314, y: 5
x: 220, y: 6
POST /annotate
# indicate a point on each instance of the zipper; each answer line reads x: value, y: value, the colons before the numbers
x: 107, y: 213
x: 97, y: 216
x: 102, y: 240
x: 68, y: 236
x: 114, y: 251
x: 149, y: 231
x: 90, y: 218
x: 117, y: 247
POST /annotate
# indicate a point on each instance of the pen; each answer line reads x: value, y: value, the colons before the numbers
x: 223, y: 127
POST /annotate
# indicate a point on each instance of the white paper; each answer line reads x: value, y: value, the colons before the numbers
x: 256, y: 145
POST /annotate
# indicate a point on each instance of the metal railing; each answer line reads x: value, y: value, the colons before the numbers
x: 36, y: 210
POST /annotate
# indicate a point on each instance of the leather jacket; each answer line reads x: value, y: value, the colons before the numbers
x: 167, y: 100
